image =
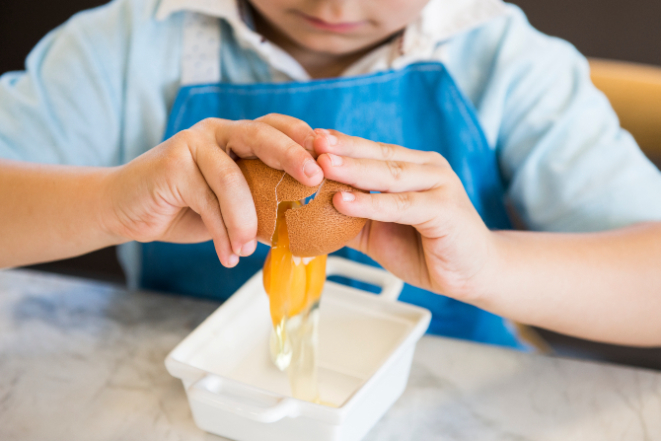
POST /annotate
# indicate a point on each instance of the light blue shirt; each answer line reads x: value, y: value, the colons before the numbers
x: 97, y: 91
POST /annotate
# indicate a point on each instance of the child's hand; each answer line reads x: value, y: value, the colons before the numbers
x: 188, y: 189
x: 423, y: 227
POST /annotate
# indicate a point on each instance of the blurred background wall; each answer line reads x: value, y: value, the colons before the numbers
x: 616, y: 29
x: 613, y: 29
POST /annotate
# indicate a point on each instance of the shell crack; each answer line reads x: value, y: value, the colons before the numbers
x: 294, y: 191
x: 277, y: 202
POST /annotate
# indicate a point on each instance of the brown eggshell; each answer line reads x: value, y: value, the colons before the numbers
x: 318, y: 228
x: 289, y: 189
x: 314, y: 229
x: 262, y: 181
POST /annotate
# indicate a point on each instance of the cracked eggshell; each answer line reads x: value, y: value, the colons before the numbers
x: 314, y: 229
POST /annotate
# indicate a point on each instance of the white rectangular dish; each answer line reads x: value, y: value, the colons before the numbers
x: 366, y: 345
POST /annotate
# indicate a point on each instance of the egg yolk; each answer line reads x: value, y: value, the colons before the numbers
x: 293, y: 284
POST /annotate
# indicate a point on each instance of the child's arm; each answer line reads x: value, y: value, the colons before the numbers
x: 51, y: 212
x: 602, y: 286
x: 185, y: 190
x: 423, y: 228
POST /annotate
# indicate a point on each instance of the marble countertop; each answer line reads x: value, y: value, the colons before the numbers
x: 82, y: 360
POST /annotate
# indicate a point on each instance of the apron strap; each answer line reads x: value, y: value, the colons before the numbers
x: 200, y: 61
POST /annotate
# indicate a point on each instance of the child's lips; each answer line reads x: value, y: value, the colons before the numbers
x: 318, y: 23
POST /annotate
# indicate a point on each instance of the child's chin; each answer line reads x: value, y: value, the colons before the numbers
x: 332, y: 44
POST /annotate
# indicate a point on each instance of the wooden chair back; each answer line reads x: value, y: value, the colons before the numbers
x: 634, y: 91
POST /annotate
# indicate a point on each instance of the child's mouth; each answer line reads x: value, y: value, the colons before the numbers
x: 332, y: 27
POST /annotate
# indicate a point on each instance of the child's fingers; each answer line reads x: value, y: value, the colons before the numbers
x: 200, y: 198
x: 273, y: 139
x: 386, y: 176
x: 278, y: 151
x: 298, y: 130
x: 259, y: 139
x: 229, y: 185
x: 332, y: 141
x: 188, y: 228
x: 408, y: 208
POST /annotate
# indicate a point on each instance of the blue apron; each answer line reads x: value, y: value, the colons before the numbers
x: 419, y: 107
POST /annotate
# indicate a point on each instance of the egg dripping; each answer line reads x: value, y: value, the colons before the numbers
x: 301, y: 235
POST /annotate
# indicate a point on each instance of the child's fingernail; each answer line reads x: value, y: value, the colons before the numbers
x: 331, y: 139
x: 233, y: 260
x: 310, y: 168
x: 348, y: 196
x: 248, y: 248
x: 308, y: 144
x: 335, y: 160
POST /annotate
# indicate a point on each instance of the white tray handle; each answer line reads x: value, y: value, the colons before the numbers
x: 217, y: 392
x: 391, y: 286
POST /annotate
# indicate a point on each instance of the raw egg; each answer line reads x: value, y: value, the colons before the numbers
x: 300, y: 235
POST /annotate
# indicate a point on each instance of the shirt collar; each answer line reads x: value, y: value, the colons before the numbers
x: 443, y: 19
x: 216, y: 8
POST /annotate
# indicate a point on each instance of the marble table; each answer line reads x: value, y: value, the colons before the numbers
x: 82, y: 360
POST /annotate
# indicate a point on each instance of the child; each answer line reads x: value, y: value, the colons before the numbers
x: 461, y: 115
